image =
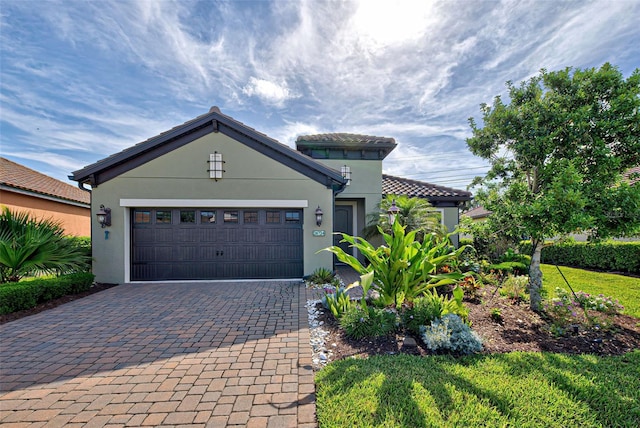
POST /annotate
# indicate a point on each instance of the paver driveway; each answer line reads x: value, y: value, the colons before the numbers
x: 188, y: 354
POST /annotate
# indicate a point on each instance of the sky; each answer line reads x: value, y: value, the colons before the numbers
x: 81, y: 80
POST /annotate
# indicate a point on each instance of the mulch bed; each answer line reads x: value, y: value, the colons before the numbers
x: 521, y: 329
x: 95, y: 288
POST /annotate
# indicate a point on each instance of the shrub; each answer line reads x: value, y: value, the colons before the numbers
x: 515, y: 287
x: 27, y: 294
x: 430, y: 307
x: 359, y: 322
x: 609, y: 256
x: 322, y: 276
x: 450, y: 333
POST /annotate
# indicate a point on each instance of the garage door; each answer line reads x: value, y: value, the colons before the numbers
x: 175, y: 244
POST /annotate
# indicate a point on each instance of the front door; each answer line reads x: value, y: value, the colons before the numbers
x: 343, y: 223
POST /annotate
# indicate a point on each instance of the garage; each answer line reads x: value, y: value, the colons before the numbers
x: 216, y: 243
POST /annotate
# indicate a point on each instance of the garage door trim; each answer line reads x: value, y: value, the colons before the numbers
x: 215, y: 203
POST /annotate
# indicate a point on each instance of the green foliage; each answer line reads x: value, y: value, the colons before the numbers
x: 337, y: 300
x: 432, y: 306
x: 609, y: 256
x: 450, y: 333
x: 367, y: 321
x: 29, y: 245
x: 403, y: 268
x: 624, y: 288
x: 558, y: 152
x: 322, y: 276
x: 515, y: 287
x: 416, y: 214
x: 27, y: 294
x: 496, y: 314
x: 475, y: 391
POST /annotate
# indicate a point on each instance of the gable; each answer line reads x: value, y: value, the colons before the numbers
x: 213, y: 122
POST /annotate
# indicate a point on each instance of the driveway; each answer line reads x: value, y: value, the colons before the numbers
x: 184, y: 354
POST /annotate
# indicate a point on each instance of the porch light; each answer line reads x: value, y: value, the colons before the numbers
x: 319, y: 215
x: 215, y: 166
x: 392, y: 212
x: 346, y: 174
x: 104, y: 216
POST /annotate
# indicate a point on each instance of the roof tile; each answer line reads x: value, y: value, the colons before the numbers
x: 20, y: 177
x: 413, y: 188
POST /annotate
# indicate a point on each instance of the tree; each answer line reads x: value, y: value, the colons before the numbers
x: 558, y: 152
x: 29, y: 245
x: 416, y: 214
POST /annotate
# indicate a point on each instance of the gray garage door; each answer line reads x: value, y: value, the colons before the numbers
x: 207, y: 243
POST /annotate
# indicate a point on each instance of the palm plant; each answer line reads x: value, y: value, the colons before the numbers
x: 416, y: 214
x: 29, y: 245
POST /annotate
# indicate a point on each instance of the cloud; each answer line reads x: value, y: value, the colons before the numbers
x: 269, y: 92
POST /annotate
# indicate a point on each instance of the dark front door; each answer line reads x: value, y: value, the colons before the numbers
x: 216, y: 243
x: 343, y: 223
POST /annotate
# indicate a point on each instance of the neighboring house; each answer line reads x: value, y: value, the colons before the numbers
x: 214, y: 199
x: 479, y: 213
x: 23, y: 189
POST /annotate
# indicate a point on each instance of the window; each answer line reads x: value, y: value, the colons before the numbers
x: 231, y: 216
x: 292, y: 217
x: 142, y: 217
x: 163, y: 217
x: 187, y: 216
x: 273, y: 216
x: 251, y: 216
x: 207, y: 217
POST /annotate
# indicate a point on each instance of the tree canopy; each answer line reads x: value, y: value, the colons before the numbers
x: 558, y: 151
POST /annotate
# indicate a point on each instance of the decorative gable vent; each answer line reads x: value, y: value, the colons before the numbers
x: 215, y: 166
x: 346, y: 174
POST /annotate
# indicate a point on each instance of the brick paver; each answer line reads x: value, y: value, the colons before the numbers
x: 197, y: 354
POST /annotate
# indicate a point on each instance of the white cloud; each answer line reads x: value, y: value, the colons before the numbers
x: 269, y: 92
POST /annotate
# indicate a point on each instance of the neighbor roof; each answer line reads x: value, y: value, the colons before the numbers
x: 635, y: 171
x: 346, y: 141
x: 16, y: 177
x: 477, y: 212
x: 413, y: 188
x: 213, y: 121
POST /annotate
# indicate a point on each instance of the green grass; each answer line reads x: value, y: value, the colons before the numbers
x: 625, y: 289
x: 500, y: 390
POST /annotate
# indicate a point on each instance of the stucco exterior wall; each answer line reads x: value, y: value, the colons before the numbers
x: 183, y: 174
x: 75, y: 220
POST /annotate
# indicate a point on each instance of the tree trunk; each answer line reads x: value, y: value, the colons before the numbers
x: 535, y: 277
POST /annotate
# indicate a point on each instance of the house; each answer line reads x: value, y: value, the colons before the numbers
x: 215, y: 199
x: 23, y: 189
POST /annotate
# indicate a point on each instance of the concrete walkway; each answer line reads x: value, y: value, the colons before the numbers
x: 188, y: 354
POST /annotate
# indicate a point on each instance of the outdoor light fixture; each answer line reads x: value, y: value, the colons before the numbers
x: 104, y: 216
x: 392, y: 212
x: 319, y: 215
x: 346, y: 174
x: 216, y: 166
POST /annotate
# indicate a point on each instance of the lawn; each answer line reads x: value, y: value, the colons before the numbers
x: 624, y: 288
x: 515, y: 389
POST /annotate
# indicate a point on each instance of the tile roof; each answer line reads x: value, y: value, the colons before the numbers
x: 477, y: 212
x: 413, y: 188
x: 17, y: 176
x: 346, y: 139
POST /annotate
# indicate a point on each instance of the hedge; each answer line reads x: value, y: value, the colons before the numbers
x: 612, y: 256
x: 17, y: 296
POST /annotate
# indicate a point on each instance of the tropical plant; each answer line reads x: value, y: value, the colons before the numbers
x: 416, y: 214
x: 29, y: 245
x: 403, y: 268
x: 367, y: 321
x: 322, y: 276
x: 432, y: 306
x: 337, y: 300
x: 558, y: 152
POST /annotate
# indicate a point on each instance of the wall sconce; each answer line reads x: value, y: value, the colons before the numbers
x: 319, y: 215
x: 104, y: 216
x: 346, y: 173
x: 392, y: 212
x: 216, y: 166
